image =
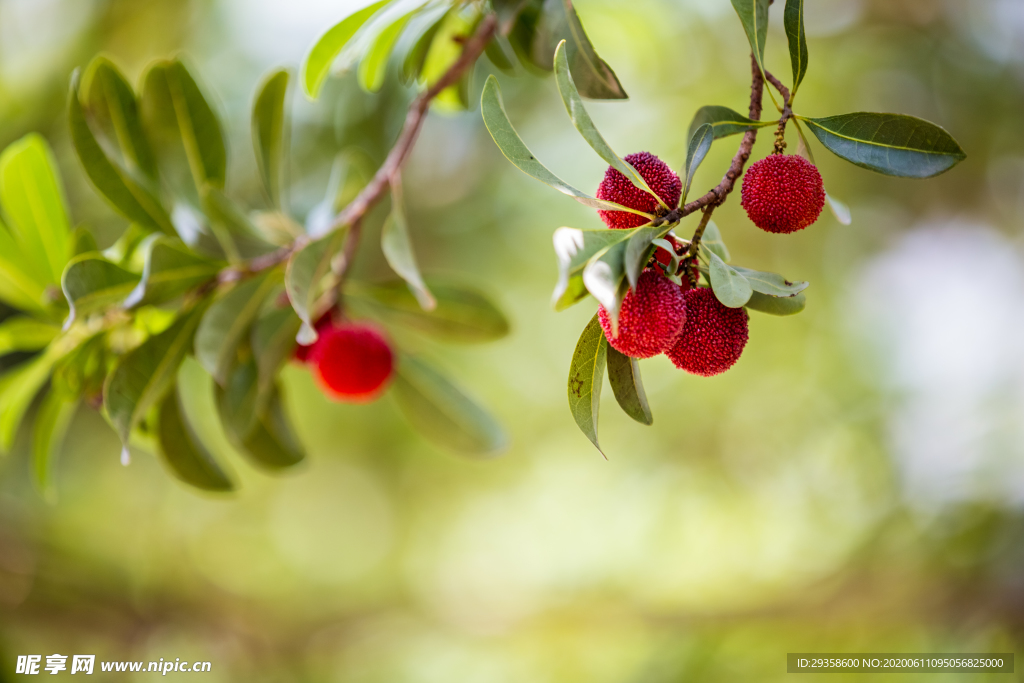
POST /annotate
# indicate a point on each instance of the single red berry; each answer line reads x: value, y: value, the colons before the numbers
x: 353, y: 362
x: 713, y: 336
x: 616, y: 188
x: 302, y: 351
x: 650, y: 318
x: 783, y: 193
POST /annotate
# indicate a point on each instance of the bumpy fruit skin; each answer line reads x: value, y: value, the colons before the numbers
x: 616, y: 188
x: 713, y: 336
x: 783, y: 193
x: 352, y: 362
x: 651, y: 317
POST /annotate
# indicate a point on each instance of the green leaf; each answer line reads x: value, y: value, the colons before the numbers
x: 516, y: 151
x: 574, y: 248
x: 586, y: 376
x: 729, y: 284
x: 443, y: 413
x: 328, y: 46
x: 724, y: 121
x: 398, y: 251
x: 91, y: 283
x: 585, y: 125
x: 52, y: 422
x: 638, y: 249
x: 272, y: 443
x: 753, y: 15
x: 18, y: 387
x: 183, y: 452
x: 374, y: 64
x: 238, y: 401
x: 700, y: 145
x: 559, y: 22
x: 777, y: 305
x: 114, y: 106
x: 21, y: 333
x: 227, y: 322
x: 423, y: 30
x: 628, y: 387
x: 238, y: 238
x: 462, y: 315
x: 82, y: 241
x: 712, y: 241
x: 891, y: 144
x: 144, y: 375
x: 33, y: 200
x: 18, y: 288
x: 605, y: 278
x: 171, y: 269
x: 175, y: 111
x: 794, y: 22
x: 500, y: 54
x: 771, y: 284
x: 305, y: 275
x: 273, y: 342
x: 508, y: 11
x: 126, y: 195
x: 270, y: 132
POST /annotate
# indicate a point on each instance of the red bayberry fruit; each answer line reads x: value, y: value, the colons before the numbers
x: 650, y: 318
x: 713, y: 336
x: 616, y: 188
x: 352, y: 362
x: 783, y: 193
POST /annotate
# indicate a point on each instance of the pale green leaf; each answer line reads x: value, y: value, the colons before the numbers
x: 114, y: 107
x: 270, y: 132
x: 304, y: 278
x: 91, y: 283
x: 777, y: 305
x: 170, y: 270
x: 18, y: 387
x: 729, y: 284
x: 52, y: 423
x: 586, y: 377
x: 21, y: 333
x: 317, y: 64
x: 398, y: 251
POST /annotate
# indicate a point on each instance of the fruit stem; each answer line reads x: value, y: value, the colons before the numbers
x: 699, y: 233
x: 787, y: 112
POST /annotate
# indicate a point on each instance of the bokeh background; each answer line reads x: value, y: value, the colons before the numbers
x: 854, y: 484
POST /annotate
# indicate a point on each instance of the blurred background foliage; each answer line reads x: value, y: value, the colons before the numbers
x: 855, y: 483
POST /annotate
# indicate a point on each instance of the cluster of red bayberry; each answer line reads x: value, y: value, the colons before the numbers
x: 781, y: 193
x: 352, y: 362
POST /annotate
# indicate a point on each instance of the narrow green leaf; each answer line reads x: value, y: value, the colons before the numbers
x: 91, y: 283
x: 423, y: 29
x: 700, y: 145
x: 238, y: 401
x: 235, y: 233
x: 586, y: 376
x: 398, y: 252
x: 18, y: 387
x: 516, y: 151
x: 125, y: 195
x: 794, y: 22
x: 729, y: 284
x: 777, y: 305
x: 501, y: 54
x: 144, y: 375
x: 21, y: 333
x: 638, y: 249
x: 374, y: 64
x: 328, y: 46
x: 171, y: 269
x: 273, y: 342
x: 304, y: 278
x: 462, y: 315
x: 559, y: 22
x: 227, y: 321
x: 52, y: 423
x: 628, y: 387
x: 272, y: 443
x: 585, y: 125
x: 724, y: 121
x: 712, y: 241
x: 605, y: 278
x: 574, y: 248
x: 753, y: 15
x: 114, y: 106
x: 443, y: 413
x: 270, y: 132
x: 182, y: 451
x: 891, y: 144
x: 18, y: 287
x: 771, y: 284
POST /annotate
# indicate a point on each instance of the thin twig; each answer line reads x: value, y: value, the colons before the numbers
x: 787, y: 112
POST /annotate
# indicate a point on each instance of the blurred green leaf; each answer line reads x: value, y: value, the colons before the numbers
x: 585, y: 125
x: 628, y: 387
x: 328, y: 46
x: 398, y: 251
x: 144, y: 375
x: 126, y: 195
x: 82, y: 241
x: 638, y: 249
x: 462, y: 315
x: 605, y: 279
x: 270, y: 132
x: 52, y: 422
x: 508, y: 11
x: 18, y: 387
x: 238, y: 237
x: 17, y: 287
x: 227, y: 321
x: 273, y: 342
x: 712, y: 241
x: 374, y: 64
x: 586, y: 376
x: 793, y: 19
x: 238, y: 401
x: 423, y: 29
x: 771, y: 284
x: 777, y: 305
x: 516, y: 151
x: 272, y: 443
x: 82, y: 371
x: 91, y: 283
x: 891, y: 144
x: 559, y: 22
x: 21, y: 333
x: 700, y: 145
x: 753, y: 15
x: 112, y: 102
x: 574, y: 248
x: 730, y: 286
x: 500, y: 54
x: 443, y: 413
x: 304, y: 278
x: 724, y: 121
x: 184, y: 454
x: 445, y: 50
x: 171, y: 269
